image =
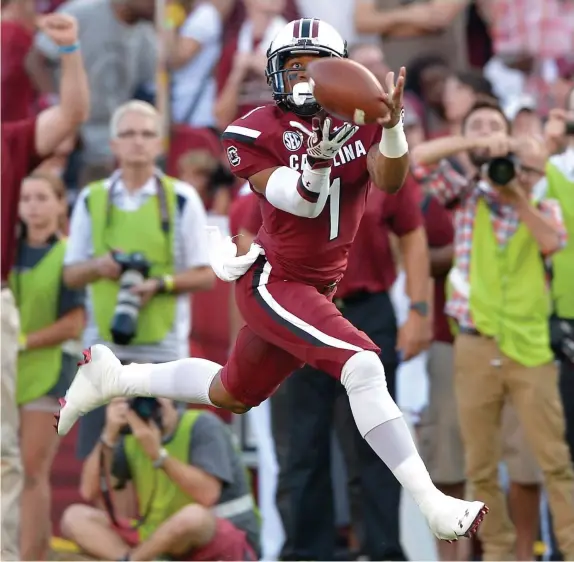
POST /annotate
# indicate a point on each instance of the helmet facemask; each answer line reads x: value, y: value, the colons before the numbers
x: 299, y: 99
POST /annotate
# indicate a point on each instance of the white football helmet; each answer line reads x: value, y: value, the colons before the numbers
x: 301, y: 37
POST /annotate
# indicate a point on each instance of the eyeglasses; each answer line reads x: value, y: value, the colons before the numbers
x: 130, y: 134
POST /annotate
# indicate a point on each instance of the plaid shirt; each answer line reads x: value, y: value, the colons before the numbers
x: 462, y: 194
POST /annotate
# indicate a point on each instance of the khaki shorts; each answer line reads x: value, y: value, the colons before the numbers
x: 440, y: 442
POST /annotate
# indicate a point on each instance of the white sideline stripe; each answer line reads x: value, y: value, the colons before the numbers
x: 243, y: 131
x: 292, y: 319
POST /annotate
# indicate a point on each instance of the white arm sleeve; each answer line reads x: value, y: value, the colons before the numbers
x: 302, y: 194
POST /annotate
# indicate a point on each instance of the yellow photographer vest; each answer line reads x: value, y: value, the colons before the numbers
x: 508, y: 298
x: 154, y: 485
x: 562, y: 189
x: 37, y: 294
x: 134, y: 231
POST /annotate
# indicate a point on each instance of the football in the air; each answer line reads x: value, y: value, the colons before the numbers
x: 347, y: 90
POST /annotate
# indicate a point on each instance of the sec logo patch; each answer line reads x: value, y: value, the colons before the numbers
x: 233, y: 156
x: 292, y: 140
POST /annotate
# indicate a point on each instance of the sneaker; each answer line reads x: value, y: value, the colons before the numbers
x: 95, y: 384
x: 451, y: 519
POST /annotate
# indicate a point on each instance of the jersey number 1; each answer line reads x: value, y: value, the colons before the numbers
x: 334, y: 208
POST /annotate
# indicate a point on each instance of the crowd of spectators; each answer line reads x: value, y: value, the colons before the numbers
x: 162, y: 80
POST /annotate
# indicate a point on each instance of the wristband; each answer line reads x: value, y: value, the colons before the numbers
x: 68, y: 49
x: 22, y: 342
x: 394, y: 142
x: 166, y: 284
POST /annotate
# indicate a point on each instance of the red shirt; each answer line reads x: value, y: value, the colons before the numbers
x: 19, y: 158
x: 17, y: 89
x: 245, y: 214
x: 371, y: 265
x: 440, y: 232
x: 312, y: 251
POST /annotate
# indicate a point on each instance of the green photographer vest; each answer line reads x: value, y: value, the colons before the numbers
x: 509, y: 299
x: 37, y: 293
x: 134, y: 231
x: 562, y: 189
x: 154, y: 485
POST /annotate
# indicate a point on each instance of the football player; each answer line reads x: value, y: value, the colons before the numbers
x: 311, y: 173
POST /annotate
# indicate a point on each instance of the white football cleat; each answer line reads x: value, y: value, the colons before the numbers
x: 451, y: 519
x: 95, y: 384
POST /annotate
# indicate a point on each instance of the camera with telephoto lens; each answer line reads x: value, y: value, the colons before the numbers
x: 147, y: 409
x: 135, y: 269
x: 502, y: 170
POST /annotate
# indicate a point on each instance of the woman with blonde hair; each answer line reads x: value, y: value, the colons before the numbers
x: 51, y: 318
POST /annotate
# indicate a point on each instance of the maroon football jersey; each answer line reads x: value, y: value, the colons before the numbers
x: 309, y: 250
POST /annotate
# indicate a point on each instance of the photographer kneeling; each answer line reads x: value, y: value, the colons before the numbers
x: 500, y: 299
x: 193, y: 494
x: 138, y: 241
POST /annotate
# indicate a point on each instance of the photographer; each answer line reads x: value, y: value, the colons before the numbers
x: 499, y: 298
x: 138, y: 241
x: 193, y: 494
x: 560, y: 174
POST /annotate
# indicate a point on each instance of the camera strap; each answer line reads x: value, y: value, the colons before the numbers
x: 106, y: 491
x: 161, y: 198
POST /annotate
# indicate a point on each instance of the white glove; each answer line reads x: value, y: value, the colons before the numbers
x: 323, y: 144
x: 223, y: 256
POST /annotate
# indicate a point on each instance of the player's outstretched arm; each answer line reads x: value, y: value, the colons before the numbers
x: 388, y: 162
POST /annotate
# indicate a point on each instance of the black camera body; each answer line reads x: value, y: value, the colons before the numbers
x: 502, y: 170
x: 569, y: 129
x: 146, y: 409
x: 135, y: 269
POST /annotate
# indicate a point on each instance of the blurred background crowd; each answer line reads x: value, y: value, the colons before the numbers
x: 485, y: 78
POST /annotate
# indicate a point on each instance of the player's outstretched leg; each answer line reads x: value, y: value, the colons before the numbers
x: 381, y: 423
x: 102, y: 377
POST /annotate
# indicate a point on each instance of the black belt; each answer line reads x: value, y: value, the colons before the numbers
x: 353, y: 298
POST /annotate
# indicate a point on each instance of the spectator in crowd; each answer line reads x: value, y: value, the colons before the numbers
x: 206, y: 173
x: 502, y: 349
x: 193, y: 492
x: 529, y: 38
x: 192, y: 52
x: 18, y: 24
x: 409, y: 28
x: 560, y: 175
x: 524, y: 118
x: 142, y: 212
x: 118, y: 45
x: 242, y: 82
x: 427, y: 82
x: 24, y: 144
x: 51, y: 317
x: 305, y: 467
x: 462, y: 90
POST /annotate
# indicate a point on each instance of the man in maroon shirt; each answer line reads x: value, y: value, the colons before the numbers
x: 24, y: 144
x: 18, y: 22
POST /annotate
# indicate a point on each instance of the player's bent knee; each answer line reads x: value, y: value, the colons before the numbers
x: 221, y: 398
x: 363, y: 377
